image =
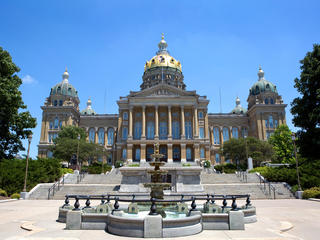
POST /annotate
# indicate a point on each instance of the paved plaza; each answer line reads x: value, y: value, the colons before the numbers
x: 277, y: 219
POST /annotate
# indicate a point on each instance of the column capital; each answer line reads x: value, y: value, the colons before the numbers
x: 156, y: 106
x: 183, y: 144
x: 169, y: 145
x: 143, y: 107
x: 143, y: 145
x: 169, y: 107
x: 131, y: 108
x: 182, y: 107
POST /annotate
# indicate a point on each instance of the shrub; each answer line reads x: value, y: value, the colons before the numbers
x: 311, y: 193
x: 186, y: 165
x: 226, y: 168
x: 118, y: 164
x: 96, y: 168
x: 207, y: 164
x: 15, y: 196
x: 134, y: 165
x: 64, y: 171
x: 3, y: 193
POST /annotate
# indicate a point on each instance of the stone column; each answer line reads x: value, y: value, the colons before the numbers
x: 183, y: 152
x: 105, y: 136
x: 142, y: 153
x: 169, y: 147
x: 156, y: 118
x: 206, y: 125
x: 221, y: 135
x: 207, y: 149
x: 129, y: 153
x: 169, y: 125
x: 196, y: 123
x: 230, y: 133
x: 143, y: 134
x: 96, y: 138
x: 130, y: 123
x: 196, y: 152
x: 119, y: 134
x: 118, y: 154
x: 211, y: 134
x: 183, y: 134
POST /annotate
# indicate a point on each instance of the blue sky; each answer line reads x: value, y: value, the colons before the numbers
x: 105, y: 45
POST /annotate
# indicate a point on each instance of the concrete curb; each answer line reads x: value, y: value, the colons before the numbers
x: 285, y: 226
x: 8, y: 200
x: 314, y: 199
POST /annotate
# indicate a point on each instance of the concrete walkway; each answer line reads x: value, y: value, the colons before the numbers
x: 277, y: 219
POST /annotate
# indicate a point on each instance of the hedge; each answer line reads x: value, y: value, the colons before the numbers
x: 311, y: 193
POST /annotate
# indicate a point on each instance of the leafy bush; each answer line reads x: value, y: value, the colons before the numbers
x: 42, y: 170
x: 226, y: 168
x: 186, y: 165
x: 134, y: 165
x: 207, y: 164
x: 64, y: 171
x: 15, y: 196
x: 311, y: 193
x: 3, y: 193
x: 96, y: 168
x: 118, y: 164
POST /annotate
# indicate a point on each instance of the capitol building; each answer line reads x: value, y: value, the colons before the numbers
x: 163, y: 112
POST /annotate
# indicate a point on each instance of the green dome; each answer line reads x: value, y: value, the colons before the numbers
x: 238, y: 109
x: 88, y: 110
x: 262, y: 85
x: 64, y: 87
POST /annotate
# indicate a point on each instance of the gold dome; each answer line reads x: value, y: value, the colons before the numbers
x: 163, y: 58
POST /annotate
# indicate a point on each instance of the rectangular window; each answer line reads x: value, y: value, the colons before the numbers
x: 218, y: 158
x: 163, y: 130
x: 188, y: 129
x: 137, y: 157
x: 124, y: 133
x: 200, y: 114
x: 124, y: 153
x: 216, y: 136
x: 201, y: 132
x: 202, y: 153
x: 150, y: 130
x: 266, y: 122
x: 125, y: 115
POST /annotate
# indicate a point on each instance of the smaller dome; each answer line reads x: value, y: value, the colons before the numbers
x: 262, y: 85
x: 238, y: 109
x: 64, y: 87
x: 88, y: 110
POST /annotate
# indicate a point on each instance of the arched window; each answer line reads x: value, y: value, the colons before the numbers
x: 59, y: 90
x: 124, y: 153
x: 271, y: 121
x: 137, y: 155
x: 176, y: 153
x: 218, y: 161
x: 275, y: 123
x: 150, y: 130
x: 101, y: 136
x: 149, y: 153
x: 50, y: 125
x: 271, y: 101
x: 257, y: 90
x: 202, y: 153
x: 55, y: 103
x: 201, y: 132
x: 137, y: 130
x: 175, y: 130
x: 60, y: 124
x: 244, y: 132
x: 92, y: 134
x: 110, y: 136
x: 125, y: 115
x: 225, y: 133
x: 56, y: 123
x: 216, y: 136
x: 266, y: 101
x: 69, y: 91
x: 188, y: 129
x: 124, y: 133
x: 60, y: 102
x: 200, y: 114
x: 163, y: 130
x: 235, y: 133
x: 189, y: 154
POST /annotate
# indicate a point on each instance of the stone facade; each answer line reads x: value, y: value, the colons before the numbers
x: 163, y: 112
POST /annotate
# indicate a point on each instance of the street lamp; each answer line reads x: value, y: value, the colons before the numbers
x: 27, y: 164
x: 78, y: 153
x: 293, y: 137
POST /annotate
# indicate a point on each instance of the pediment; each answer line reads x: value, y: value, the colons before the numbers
x: 162, y: 90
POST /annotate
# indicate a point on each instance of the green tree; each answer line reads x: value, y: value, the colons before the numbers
x: 236, y: 149
x: 14, y: 122
x: 66, y: 145
x: 306, y: 108
x: 282, y: 145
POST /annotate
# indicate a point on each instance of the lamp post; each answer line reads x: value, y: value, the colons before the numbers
x: 78, y: 165
x: 293, y: 137
x: 27, y: 164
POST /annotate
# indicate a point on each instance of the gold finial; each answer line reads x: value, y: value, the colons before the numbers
x: 66, y: 69
x: 162, y: 36
x: 260, y: 68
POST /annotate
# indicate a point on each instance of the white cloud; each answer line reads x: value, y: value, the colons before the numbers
x: 27, y: 79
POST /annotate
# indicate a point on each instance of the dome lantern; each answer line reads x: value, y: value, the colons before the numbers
x: 238, y: 109
x: 64, y: 87
x: 162, y: 46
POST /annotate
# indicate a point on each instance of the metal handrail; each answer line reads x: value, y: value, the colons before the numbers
x: 81, y: 176
x: 243, y: 175
x: 192, y: 198
x: 52, y: 190
x: 266, y: 186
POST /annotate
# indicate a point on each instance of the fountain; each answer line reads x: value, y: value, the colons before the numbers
x: 156, y: 216
x: 156, y: 185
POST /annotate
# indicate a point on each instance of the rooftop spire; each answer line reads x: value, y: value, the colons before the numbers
x: 162, y: 46
x: 260, y: 73
x: 65, y: 76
